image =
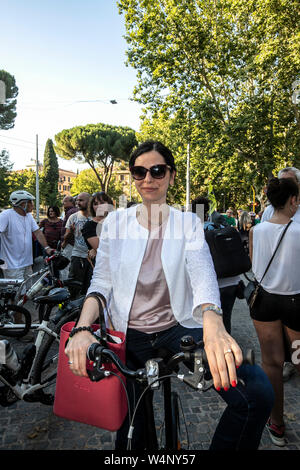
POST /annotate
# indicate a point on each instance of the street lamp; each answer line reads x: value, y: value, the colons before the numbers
x: 253, y: 204
x: 187, y: 199
x: 37, y: 182
x: 187, y: 194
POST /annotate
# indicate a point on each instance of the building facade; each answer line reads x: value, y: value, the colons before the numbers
x: 65, y: 181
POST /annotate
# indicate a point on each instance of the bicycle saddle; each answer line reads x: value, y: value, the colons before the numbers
x: 56, y: 296
x: 71, y: 283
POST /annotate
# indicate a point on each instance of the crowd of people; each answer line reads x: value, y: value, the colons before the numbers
x: 161, y: 286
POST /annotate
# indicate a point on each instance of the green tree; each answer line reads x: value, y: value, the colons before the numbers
x: 99, y: 145
x: 8, y: 109
x: 223, y: 71
x: 49, y: 183
x: 5, y: 168
x: 23, y: 179
x: 88, y: 182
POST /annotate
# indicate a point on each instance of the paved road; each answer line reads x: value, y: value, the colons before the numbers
x: 34, y: 427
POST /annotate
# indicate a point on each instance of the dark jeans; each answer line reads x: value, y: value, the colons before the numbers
x: 81, y: 270
x: 227, y: 297
x: 249, y: 403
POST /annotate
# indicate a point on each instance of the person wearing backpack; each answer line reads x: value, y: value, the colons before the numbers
x: 228, y: 286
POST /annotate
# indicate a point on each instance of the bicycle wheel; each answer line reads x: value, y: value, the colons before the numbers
x: 45, y: 369
x: 175, y: 424
x: 10, y: 317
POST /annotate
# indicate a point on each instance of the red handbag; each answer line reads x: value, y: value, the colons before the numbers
x: 102, y: 404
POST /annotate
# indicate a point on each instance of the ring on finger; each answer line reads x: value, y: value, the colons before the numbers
x: 70, y: 362
x: 227, y: 352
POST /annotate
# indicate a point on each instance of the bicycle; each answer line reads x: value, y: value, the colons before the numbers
x: 46, y: 280
x: 35, y: 369
x: 160, y: 369
x: 15, y: 319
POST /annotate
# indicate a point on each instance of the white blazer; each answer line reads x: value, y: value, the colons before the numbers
x: 186, y: 261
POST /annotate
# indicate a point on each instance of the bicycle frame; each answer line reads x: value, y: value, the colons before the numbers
x: 151, y: 435
x: 34, y: 289
x: 20, y: 390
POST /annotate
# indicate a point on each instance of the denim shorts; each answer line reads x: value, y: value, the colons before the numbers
x: 272, y: 307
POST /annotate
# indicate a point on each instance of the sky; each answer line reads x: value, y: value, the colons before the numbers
x: 68, y: 59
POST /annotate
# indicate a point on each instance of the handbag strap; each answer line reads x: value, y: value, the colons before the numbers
x: 280, y: 240
x: 100, y: 298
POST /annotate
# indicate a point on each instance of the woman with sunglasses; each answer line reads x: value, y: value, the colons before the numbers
x: 155, y: 268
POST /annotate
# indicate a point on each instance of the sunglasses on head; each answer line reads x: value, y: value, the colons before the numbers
x: 156, y: 171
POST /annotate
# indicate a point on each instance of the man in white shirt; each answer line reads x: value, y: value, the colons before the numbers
x: 16, y: 228
x: 294, y: 173
x: 288, y: 172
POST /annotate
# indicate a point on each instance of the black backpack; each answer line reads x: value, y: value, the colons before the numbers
x: 227, y: 251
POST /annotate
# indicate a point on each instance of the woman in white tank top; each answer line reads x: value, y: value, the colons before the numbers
x: 277, y: 306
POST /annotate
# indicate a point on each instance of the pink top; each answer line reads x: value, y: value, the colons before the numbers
x: 151, y: 310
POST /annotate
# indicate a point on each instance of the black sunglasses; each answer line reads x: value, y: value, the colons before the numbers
x: 156, y: 171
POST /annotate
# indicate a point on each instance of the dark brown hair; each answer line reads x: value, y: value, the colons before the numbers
x: 280, y: 189
x: 158, y: 147
x: 102, y: 197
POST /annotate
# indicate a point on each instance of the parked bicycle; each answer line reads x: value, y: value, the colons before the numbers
x: 15, y: 319
x: 161, y: 370
x: 30, y: 375
x: 45, y: 281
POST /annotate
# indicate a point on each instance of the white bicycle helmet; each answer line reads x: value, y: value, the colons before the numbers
x: 18, y: 196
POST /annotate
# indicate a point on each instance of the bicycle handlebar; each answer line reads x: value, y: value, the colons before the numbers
x: 100, y: 354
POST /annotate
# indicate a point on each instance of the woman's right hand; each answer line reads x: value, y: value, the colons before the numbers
x: 76, y: 351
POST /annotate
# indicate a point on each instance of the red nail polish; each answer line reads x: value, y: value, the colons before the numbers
x: 226, y: 389
x: 233, y: 383
x: 218, y: 389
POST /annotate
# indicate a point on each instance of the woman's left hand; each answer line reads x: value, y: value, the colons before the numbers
x: 223, y: 353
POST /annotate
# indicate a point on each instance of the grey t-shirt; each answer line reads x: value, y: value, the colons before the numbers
x: 77, y: 221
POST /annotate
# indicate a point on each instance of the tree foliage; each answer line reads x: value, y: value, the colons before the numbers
x: 88, y: 182
x: 8, y: 109
x: 49, y: 186
x: 22, y: 179
x: 223, y: 73
x: 5, y: 168
x: 99, y: 145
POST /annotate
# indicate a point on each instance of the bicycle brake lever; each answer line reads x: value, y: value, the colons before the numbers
x: 95, y: 374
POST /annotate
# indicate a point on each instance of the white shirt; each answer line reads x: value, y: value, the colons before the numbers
x: 283, y: 275
x: 185, y: 257
x: 80, y: 248
x: 269, y: 211
x: 16, y: 238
